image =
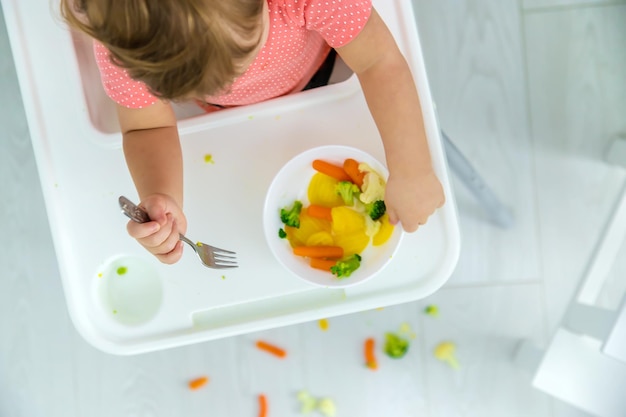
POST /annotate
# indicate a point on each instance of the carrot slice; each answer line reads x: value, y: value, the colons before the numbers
x: 323, y: 264
x: 319, y: 251
x: 272, y: 349
x: 351, y: 167
x: 262, y: 405
x: 319, y: 212
x: 331, y: 170
x: 198, y: 382
x: 370, y: 357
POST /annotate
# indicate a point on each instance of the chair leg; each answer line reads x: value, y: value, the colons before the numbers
x: 498, y: 213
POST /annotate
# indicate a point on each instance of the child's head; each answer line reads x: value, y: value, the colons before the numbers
x: 178, y: 48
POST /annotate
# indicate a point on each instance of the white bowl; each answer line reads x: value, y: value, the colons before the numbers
x: 291, y: 184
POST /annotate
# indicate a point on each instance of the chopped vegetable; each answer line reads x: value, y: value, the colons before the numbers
x: 291, y: 216
x: 370, y: 357
x: 321, y: 191
x: 331, y: 170
x: 376, y: 209
x: 308, y: 227
x: 373, y: 187
x: 319, y: 251
x: 323, y: 323
x: 338, y: 216
x: 445, y: 352
x: 385, y: 231
x: 322, y: 238
x: 323, y: 264
x: 307, y: 401
x: 262, y: 405
x: 326, y: 406
x: 320, y: 212
x: 395, y: 346
x: 198, y: 383
x: 351, y: 167
x: 348, y: 191
x: 122, y: 270
x: 281, y: 233
x: 208, y: 158
x: 432, y: 310
x: 272, y: 349
x: 345, y: 267
x: 308, y: 404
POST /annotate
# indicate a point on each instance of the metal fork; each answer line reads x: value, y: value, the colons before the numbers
x: 210, y: 256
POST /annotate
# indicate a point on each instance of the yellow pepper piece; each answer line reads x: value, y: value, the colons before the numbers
x: 320, y: 239
x: 385, y: 231
x: 322, y: 191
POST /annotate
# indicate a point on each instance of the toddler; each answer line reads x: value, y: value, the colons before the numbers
x: 225, y: 53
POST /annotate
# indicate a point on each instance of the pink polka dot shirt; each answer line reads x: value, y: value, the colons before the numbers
x: 300, y: 35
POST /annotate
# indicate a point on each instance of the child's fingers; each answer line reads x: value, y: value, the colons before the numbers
x: 393, y: 216
x: 168, y: 244
x: 142, y: 230
x: 173, y: 256
x: 151, y: 241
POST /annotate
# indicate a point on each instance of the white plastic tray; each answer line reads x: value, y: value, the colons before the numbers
x: 82, y: 173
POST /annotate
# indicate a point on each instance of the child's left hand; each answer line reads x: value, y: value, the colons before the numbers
x: 412, y: 198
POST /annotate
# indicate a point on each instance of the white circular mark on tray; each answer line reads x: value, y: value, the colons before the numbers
x: 130, y: 290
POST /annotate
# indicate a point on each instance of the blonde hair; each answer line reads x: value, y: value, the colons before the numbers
x: 178, y: 48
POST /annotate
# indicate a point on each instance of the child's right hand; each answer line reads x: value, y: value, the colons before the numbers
x: 160, y: 236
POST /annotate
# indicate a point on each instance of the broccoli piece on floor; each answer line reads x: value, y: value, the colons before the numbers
x: 291, y: 216
x: 347, y: 190
x: 395, y: 346
x: 376, y: 209
x: 345, y: 267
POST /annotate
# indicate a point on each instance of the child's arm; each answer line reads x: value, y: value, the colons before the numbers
x: 154, y: 159
x: 413, y: 191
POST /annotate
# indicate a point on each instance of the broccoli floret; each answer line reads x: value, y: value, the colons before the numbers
x: 345, y: 267
x: 376, y: 209
x: 395, y: 346
x: 347, y: 190
x: 282, y: 234
x: 291, y: 216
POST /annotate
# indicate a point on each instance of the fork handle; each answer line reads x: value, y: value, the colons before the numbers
x: 133, y: 211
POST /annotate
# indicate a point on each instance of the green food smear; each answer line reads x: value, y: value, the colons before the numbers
x: 432, y: 310
x: 122, y: 270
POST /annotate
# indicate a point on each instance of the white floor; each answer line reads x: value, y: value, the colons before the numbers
x: 532, y: 91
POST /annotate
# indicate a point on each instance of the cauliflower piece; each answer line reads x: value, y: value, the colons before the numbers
x: 373, y: 188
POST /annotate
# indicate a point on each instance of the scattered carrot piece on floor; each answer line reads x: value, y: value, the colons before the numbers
x: 262, y: 405
x: 331, y: 170
x: 370, y: 357
x: 197, y: 383
x: 320, y: 212
x: 272, y: 349
x: 323, y: 264
x: 351, y: 167
x: 319, y: 251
